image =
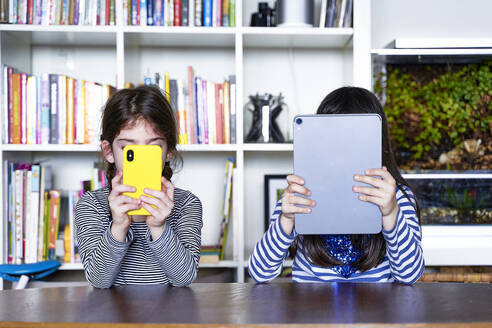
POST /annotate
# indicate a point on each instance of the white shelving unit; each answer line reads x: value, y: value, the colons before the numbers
x: 302, y: 64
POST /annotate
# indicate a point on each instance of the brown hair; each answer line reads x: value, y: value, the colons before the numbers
x: 127, y: 106
x: 353, y: 100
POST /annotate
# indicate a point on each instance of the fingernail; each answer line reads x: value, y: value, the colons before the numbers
x: 313, y: 203
x: 309, y: 193
x: 356, y: 177
x: 309, y: 210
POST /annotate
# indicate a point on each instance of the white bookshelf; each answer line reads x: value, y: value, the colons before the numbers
x: 303, y: 64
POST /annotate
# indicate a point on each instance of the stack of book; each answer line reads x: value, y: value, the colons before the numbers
x: 214, y: 253
x: 180, y: 12
x: 336, y: 13
x: 51, y: 108
x: 205, y: 111
x: 36, y: 212
x: 58, y: 12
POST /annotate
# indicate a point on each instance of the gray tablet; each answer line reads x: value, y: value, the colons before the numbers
x: 328, y: 150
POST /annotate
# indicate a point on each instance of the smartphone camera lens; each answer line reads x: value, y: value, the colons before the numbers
x: 299, y: 121
x: 129, y: 155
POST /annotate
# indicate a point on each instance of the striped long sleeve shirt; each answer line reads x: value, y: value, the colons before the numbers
x: 403, y: 261
x: 171, y: 259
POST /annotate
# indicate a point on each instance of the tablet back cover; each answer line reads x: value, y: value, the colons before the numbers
x: 328, y: 151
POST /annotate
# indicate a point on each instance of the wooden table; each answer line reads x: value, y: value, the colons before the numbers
x: 338, y: 304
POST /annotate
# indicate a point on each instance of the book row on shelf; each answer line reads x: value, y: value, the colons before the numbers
x: 51, y: 108
x: 135, y: 12
x: 39, y: 223
x: 336, y: 13
x: 205, y: 110
x: 35, y: 212
x: 58, y: 12
x: 57, y: 109
x: 215, y: 253
x: 180, y: 12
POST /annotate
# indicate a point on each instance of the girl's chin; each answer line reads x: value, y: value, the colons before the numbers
x: 139, y: 218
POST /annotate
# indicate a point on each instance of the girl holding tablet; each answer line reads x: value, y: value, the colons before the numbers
x: 393, y: 255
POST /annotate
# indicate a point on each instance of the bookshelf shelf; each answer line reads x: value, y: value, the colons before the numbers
x: 63, y: 35
x: 159, y: 36
x: 268, y: 37
x: 268, y: 147
x: 96, y: 148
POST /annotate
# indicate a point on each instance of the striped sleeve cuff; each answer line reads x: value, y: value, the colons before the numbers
x: 279, y: 234
x: 391, y: 236
x: 117, y: 247
x: 165, y: 240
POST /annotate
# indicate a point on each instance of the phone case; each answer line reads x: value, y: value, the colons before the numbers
x: 142, y: 170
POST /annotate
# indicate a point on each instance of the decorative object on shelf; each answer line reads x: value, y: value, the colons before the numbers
x: 264, y: 17
x: 459, y: 201
x: 274, y: 188
x: 266, y: 109
x: 295, y: 13
x: 439, y: 115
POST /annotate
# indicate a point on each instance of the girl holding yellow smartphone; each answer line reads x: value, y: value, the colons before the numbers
x: 136, y: 234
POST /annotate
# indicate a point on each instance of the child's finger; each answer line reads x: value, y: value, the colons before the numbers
x: 297, y: 200
x: 159, y: 195
x: 369, y: 180
x: 116, y: 181
x: 291, y: 178
x: 168, y: 187
x: 292, y: 209
x: 123, y: 188
x: 299, y: 189
x: 129, y: 207
x: 151, y: 210
x: 154, y: 201
x: 375, y: 200
x: 380, y: 172
x: 368, y: 191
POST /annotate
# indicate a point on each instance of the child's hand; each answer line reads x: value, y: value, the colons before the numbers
x: 163, y: 200
x: 120, y: 204
x: 383, y: 195
x: 290, y: 202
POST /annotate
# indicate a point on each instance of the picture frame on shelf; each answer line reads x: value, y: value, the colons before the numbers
x: 274, y: 186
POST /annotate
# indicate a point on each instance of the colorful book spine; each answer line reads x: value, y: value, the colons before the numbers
x: 16, y: 108
x: 232, y: 106
x: 225, y: 13
x: 23, y: 108
x: 198, y: 12
x: 150, y: 12
x: 185, y: 7
x: 54, y: 217
x: 177, y: 12
x: 232, y: 13
x: 207, y: 12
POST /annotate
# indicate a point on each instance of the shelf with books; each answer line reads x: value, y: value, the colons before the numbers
x: 268, y: 37
x: 97, y: 149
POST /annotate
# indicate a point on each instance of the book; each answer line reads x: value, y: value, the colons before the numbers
x: 226, y: 113
x: 150, y: 12
x: 177, y: 13
x: 331, y: 6
x: 226, y: 200
x: 191, y: 112
x: 219, y: 121
x: 207, y: 12
x: 16, y: 108
x: 184, y: 12
x: 232, y: 106
x: 225, y: 12
x: 198, y: 13
x: 322, y: 15
x: 232, y: 13
x: 23, y: 103
x: 54, y: 218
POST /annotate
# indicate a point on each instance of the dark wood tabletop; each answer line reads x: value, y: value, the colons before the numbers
x: 435, y: 304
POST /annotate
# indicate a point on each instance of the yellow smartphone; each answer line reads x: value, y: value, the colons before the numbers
x: 142, y: 168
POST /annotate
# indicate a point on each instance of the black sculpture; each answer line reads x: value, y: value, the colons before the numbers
x: 274, y: 106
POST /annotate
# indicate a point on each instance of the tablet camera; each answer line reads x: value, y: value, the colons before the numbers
x: 298, y: 121
x: 129, y: 155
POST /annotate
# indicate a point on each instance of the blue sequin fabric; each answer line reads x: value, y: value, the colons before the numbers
x: 340, y: 247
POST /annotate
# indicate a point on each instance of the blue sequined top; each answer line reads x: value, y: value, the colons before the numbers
x: 340, y: 247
